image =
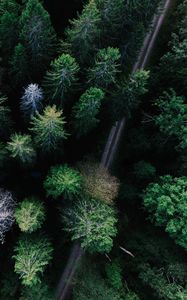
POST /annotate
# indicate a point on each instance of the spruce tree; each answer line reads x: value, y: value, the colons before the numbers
x: 5, y: 118
x: 37, y: 35
x: 21, y: 148
x: 48, y: 128
x: 86, y: 110
x: 19, y: 66
x: 32, y: 255
x: 105, y: 69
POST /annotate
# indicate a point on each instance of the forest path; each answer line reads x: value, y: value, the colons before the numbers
x: 113, y: 141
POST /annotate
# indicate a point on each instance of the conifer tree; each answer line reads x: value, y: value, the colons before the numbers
x: 30, y: 214
x: 32, y: 255
x: 48, y: 128
x: 31, y: 101
x: 86, y: 110
x: 37, y: 35
x: 19, y: 66
x: 106, y: 68
x: 5, y: 118
x: 83, y: 35
x: 21, y: 148
x: 63, y: 181
x: 61, y: 77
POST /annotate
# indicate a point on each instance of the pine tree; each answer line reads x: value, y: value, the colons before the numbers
x: 19, y: 65
x: 40, y: 291
x: 5, y: 118
x: 48, y: 128
x: 93, y: 223
x: 86, y: 110
x: 31, y: 101
x: 63, y: 181
x: 37, y: 35
x: 30, y: 214
x: 7, y: 207
x: 32, y: 255
x: 105, y: 69
x: 61, y: 78
x: 21, y: 148
x: 83, y: 35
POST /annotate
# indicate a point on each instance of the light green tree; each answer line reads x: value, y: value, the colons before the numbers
x: 93, y: 223
x: 63, y: 181
x: 60, y: 79
x: 48, y: 128
x: 106, y: 68
x: 86, y: 110
x: 32, y: 255
x: 21, y: 148
x: 166, y: 203
x: 30, y: 214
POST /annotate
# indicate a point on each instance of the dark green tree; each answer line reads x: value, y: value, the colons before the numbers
x: 48, y: 128
x: 173, y: 116
x: 40, y: 291
x: 166, y: 203
x: 32, y: 255
x: 83, y: 35
x: 63, y: 181
x: 86, y: 110
x: 21, y: 148
x: 144, y: 170
x: 105, y: 69
x: 30, y: 214
x: 37, y: 35
x: 19, y: 65
x: 5, y: 118
x: 93, y: 223
x: 61, y: 78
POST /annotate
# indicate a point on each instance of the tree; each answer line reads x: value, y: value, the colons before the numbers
x: 144, y: 170
x: 19, y: 65
x: 3, y: 154
x: 61, y: 78
x: 31, y: 101
x: 114, y: 275
x: 49, y: 128
x: 166, y: 202
x: 173, y: 116
x: 63, y: 181
x: 40, y: 291
x: 98, y: 183
x: 126, y: 98
x: 83, y: 36
x: 86, y: 110
x: 93, y: 223
x: 5, y: 118
x: 21, y: 148
x: 105, y: 69
x: 37, y: 35
x: 7, y: 206
x: 32, y: 255
x: 30, y: 214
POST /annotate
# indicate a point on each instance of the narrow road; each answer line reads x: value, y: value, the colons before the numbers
x: 112, y: 143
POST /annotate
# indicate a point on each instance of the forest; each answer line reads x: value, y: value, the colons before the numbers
x: 93, y: 150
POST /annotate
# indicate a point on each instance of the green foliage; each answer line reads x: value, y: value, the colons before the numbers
x: 30, y: 214
x: 9, y: 286
x: 86, y: 110
x: 19, y: 64
x: 63, y: 181
x: 94, y: 223
x: 48, y: 128
x: 144, y: 170
x: 166, y: 202
x: 21, y: 148
x: 106, y: 68
x: 127, y: 96
x: 3, y: 154
x: 40, y: 291
x: 98, y: 183
x: 61, y: 78
x: 5, y: 118
x: 37, y: 35
x: 114, y: 275
x: 84, y: 33
x: 32, y: 255
x: 173, y: 116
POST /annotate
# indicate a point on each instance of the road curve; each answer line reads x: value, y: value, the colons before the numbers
x: 112, y: 143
